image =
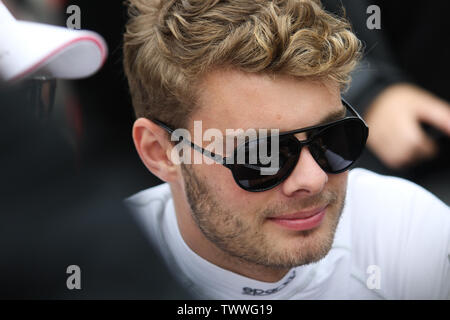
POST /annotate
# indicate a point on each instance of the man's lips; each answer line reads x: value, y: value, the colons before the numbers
x: 302, y: 220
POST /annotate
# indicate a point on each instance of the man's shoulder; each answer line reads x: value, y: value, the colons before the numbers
x: 401, y: 228
x: 149, y: 206
x: 390, y: 195
x: 158, y: 194
x: 395, y: 207
x: 363, y: 179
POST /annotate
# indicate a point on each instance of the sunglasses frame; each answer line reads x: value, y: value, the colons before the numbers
x: 229, y: 164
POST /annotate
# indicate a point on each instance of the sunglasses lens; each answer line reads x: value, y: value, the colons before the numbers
x: 262, y: 175
x: 337, y: 147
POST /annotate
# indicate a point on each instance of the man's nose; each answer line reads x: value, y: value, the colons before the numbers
x: 307, y: 178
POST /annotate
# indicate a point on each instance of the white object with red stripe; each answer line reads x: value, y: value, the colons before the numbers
x: 29, y: 49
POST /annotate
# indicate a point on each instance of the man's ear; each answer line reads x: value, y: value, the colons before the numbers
x: 153, y: 147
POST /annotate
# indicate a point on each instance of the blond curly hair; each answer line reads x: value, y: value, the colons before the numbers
x: 169, y: 45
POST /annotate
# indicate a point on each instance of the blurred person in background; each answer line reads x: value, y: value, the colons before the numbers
x: 56, y: 213
x: 401, y: 87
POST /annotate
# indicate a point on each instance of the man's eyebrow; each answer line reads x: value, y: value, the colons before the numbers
x: 333, y: 116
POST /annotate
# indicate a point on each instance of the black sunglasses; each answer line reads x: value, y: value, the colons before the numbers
x: 335, y: 146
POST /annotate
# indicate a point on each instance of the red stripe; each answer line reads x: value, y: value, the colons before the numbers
x: 56, y: 51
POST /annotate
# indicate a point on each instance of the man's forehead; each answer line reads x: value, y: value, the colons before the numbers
x: 238, y: 100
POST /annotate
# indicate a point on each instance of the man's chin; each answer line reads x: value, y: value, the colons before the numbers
x: 295, y: 248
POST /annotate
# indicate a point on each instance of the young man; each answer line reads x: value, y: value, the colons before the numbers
x: 308, y: 229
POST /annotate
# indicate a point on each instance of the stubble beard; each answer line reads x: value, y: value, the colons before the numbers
x: 246, y: 241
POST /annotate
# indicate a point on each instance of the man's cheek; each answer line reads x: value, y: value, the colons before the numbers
x: 220, y: 184
x: 221, y: 179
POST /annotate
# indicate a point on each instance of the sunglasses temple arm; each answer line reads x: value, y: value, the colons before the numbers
x: 352, y: 110
x: 217, y: 158
x: 163, y: 125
